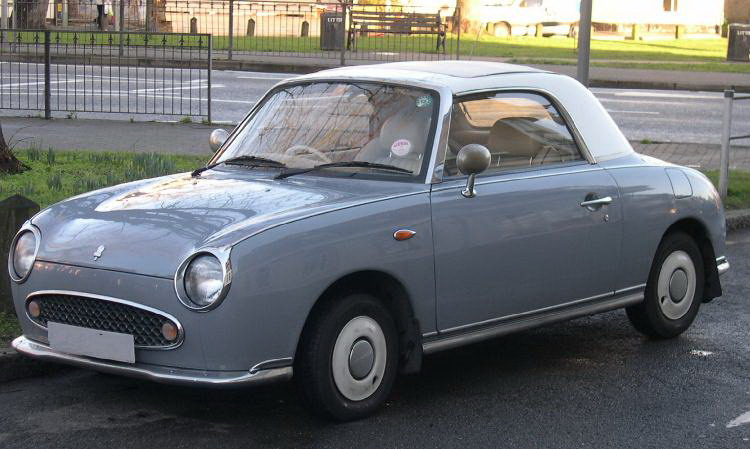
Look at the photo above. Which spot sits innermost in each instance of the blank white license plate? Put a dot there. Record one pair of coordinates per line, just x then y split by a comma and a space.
91, 342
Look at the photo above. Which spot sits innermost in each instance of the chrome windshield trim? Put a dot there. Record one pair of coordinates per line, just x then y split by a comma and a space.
722, 265
180, 330
156, 373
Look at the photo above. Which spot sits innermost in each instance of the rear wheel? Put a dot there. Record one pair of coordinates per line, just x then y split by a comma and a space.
674, 289
348, 358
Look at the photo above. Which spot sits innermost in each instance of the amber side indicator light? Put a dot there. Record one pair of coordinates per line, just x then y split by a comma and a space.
169, 331
403, 234
34, 309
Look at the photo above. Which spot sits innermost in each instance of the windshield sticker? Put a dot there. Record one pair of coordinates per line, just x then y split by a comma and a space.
401, 147
424, 101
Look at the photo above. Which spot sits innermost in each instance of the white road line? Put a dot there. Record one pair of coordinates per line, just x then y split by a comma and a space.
38, 83
740, 420
666, 95
275, 78
642, 102
613, 111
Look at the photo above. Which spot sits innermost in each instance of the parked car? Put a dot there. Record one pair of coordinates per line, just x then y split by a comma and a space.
361, 218
521, 17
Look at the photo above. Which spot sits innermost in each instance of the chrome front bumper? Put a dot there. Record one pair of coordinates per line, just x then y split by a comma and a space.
156, 373
722, 264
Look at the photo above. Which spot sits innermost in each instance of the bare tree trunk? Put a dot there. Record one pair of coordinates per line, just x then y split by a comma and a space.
471, 15
32, 14
8, 161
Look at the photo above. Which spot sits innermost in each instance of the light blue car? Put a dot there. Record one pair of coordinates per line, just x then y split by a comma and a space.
361, 218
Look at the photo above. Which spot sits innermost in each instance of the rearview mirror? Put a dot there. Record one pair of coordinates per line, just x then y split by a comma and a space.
217, 139
472, 160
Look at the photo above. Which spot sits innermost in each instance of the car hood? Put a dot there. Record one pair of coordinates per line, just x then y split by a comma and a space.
149, 227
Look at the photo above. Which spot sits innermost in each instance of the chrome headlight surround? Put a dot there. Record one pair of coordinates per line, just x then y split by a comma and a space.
27, 227
222, 254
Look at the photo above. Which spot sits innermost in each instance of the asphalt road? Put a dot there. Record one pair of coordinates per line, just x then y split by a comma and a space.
592, 382
669, 116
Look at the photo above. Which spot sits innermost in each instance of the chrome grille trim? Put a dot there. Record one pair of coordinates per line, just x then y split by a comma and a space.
91, 296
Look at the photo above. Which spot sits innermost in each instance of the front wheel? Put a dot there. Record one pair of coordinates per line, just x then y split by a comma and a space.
348, 358
674, 290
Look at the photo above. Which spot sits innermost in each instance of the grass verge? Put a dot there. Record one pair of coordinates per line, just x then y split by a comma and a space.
9, 328
738, 196
57, 175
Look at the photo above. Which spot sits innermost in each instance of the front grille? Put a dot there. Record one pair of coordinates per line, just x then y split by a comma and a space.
82, 311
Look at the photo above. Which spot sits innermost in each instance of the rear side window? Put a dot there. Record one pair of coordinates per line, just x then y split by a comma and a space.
521, 130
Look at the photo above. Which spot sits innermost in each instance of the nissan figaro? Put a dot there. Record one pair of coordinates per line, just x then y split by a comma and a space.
361, 218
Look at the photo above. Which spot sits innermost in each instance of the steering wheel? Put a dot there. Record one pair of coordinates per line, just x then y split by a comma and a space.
294, 150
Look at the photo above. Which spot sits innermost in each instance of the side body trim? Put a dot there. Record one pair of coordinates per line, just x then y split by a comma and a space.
464, 335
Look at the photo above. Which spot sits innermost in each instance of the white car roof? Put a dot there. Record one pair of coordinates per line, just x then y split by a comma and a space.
601, 135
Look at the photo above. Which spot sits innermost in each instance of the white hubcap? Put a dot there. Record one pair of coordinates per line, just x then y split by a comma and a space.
676, 286
359, 358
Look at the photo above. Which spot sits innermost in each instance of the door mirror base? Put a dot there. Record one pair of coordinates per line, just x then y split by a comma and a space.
471, 160
217, 139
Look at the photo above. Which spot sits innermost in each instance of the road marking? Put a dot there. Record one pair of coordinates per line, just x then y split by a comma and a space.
740, 420
666, 95
701, 353
642, 102
613, 111
261, 78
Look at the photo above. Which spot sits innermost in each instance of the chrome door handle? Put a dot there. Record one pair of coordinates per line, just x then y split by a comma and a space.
597, 202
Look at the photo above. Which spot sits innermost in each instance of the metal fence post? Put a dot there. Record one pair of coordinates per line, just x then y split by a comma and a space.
726, 135
121, 50
344, 6
231, 28
47, 81
457, 23
584, 42
4, 14
149, 7
210, 67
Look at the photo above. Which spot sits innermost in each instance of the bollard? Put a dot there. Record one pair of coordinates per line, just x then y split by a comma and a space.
250, 27
305, 29
194, 25
14, 212
726, 135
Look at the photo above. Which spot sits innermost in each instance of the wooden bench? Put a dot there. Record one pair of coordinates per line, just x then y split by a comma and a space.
362, 22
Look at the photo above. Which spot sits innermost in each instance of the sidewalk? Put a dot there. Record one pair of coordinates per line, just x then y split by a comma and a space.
111, 135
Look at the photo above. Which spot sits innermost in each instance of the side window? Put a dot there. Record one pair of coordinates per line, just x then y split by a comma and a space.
521, 130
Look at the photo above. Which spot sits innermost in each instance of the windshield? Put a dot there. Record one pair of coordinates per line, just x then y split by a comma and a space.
307, 125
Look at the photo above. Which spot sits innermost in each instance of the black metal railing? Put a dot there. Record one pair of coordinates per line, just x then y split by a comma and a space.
100, 71
245, 29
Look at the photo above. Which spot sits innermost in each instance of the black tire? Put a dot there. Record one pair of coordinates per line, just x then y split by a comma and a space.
315, 359
649, 317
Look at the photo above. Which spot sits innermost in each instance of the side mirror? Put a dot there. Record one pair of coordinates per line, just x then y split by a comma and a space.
472, 160
217, 139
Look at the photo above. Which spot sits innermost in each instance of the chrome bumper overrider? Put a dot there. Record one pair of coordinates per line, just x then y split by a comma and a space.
156, 373
722, 264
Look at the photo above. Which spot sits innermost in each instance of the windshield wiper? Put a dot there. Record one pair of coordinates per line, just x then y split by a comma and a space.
249, 160
358, 164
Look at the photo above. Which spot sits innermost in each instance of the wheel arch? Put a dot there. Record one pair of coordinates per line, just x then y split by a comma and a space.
394, 295
698, 231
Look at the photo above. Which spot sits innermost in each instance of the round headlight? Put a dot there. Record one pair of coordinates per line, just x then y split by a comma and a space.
24, 254
204, 280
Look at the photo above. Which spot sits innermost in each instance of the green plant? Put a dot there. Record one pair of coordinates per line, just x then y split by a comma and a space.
34, 153
50, 156
186, 119
132, 120
206, 121
71, 115
54, 181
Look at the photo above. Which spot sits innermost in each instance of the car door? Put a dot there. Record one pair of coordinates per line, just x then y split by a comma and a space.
525, 242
